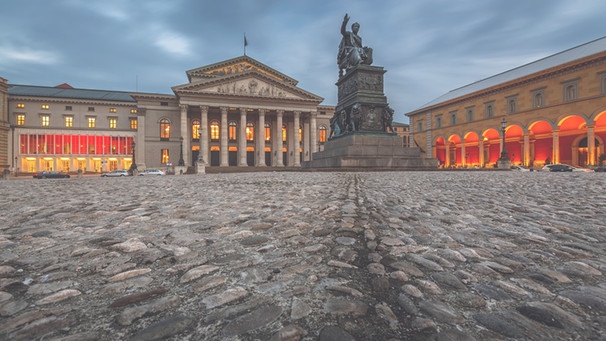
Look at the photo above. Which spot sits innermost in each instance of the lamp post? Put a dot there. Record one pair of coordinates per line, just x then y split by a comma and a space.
504, 155
133, 165
181, 161
503, 162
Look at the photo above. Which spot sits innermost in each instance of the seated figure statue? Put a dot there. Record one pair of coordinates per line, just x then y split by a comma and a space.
351, 51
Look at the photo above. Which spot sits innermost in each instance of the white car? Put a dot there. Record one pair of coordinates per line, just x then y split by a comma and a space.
152, 172
520, 169
118, 172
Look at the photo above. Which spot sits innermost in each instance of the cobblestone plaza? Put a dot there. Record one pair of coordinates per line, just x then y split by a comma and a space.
444, 255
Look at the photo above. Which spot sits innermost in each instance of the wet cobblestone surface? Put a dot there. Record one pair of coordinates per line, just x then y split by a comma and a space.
305, 256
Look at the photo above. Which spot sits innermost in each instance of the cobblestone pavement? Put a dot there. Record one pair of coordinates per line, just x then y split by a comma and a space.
305, 256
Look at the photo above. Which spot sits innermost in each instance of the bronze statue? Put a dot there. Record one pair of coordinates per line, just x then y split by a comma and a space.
351, 51
387, 118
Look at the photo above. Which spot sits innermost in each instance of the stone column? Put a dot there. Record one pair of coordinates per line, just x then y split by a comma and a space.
447, 154
306, 141
590, 146
140, 136
242, 139
279, 156
526, 159
463, 154
314, 133
224, 149
261, 140
555, 157
481, 152
296, 153
204, 133
184, 134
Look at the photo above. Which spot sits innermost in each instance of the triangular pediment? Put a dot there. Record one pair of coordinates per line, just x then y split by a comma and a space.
249, 83
235, 66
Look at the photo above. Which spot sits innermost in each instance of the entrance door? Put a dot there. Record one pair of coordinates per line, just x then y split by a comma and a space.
268, 158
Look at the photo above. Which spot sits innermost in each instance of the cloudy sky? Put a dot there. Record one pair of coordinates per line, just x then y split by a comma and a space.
428, 47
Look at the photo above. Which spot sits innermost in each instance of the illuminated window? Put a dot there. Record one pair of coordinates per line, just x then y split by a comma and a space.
113, 123
195, 130
284, 133
133, 111
112, 110
20, 119
300, 134
322, 137
250, 131
267, 132
45, 120
91, 122
69, 121
164, 156
232, 131
133, 123
164, 129
20, 105
45, 106
214, 130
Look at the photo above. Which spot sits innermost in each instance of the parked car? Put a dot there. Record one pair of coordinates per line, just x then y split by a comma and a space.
520, 169
600, 169
152, 172
119, 172
50, 175
561, 167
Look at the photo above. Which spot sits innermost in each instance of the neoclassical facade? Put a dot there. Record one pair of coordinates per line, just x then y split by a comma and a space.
549, 111
238, 112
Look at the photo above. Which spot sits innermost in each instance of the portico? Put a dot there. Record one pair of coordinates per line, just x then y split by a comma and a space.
242, 113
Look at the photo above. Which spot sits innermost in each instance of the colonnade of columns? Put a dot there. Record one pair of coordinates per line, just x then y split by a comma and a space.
526, 150
308, 139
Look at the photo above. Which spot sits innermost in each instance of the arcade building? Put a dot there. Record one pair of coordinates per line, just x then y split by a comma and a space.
552, 110
235, 113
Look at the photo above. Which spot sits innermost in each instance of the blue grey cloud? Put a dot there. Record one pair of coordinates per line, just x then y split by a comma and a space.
427, 47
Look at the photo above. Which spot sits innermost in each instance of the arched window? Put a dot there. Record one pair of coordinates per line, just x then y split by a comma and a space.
195, 130
267, 132
250, 131
322, 135
232, 130
215, 127
164, 129
284, 133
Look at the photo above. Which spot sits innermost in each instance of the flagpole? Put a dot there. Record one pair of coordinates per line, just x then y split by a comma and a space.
245, 43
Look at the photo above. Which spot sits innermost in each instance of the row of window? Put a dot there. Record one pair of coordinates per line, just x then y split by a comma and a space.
232, 131
538, 100
70, 108
59, 144
91, 121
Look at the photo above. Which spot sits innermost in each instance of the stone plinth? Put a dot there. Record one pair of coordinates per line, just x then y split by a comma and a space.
369, 150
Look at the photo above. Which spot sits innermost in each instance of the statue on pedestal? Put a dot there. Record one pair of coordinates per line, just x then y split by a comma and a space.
351, 51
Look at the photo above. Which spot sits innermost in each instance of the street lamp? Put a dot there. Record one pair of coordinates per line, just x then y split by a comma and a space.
133, 165
504, 156
181, 161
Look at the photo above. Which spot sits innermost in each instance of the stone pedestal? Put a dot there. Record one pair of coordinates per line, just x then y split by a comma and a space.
369, 150
200, 167
360, 139
503, 163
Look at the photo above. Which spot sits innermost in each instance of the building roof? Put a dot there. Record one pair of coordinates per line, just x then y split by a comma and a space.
62, 91
575, 53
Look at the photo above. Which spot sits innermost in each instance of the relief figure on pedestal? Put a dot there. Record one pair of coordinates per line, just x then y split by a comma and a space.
351, 51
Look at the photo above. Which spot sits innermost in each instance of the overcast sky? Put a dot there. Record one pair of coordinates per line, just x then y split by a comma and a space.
428, 47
